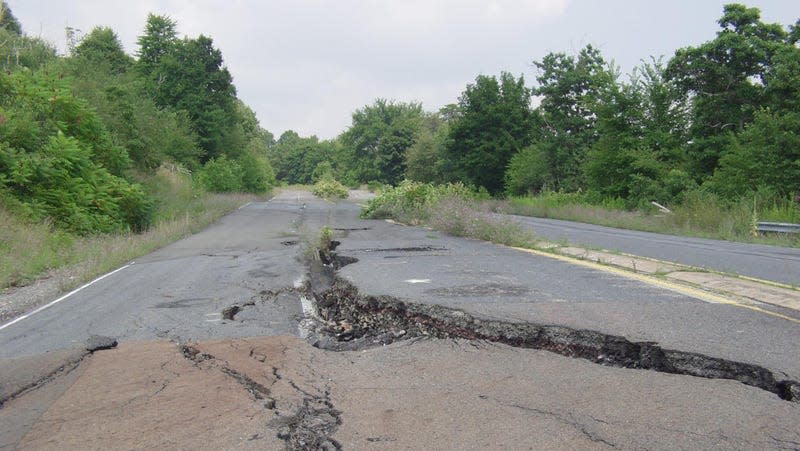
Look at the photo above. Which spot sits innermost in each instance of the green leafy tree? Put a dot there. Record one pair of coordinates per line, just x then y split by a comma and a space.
194, 80
570, 89
493, 122
8, 21
20, 51
728, 79
376, 142
765, 155
102, 47
527, 172
221, 175
426, 159
642, 132
58, 160
295, 158
257, 174
324, 170
159, 39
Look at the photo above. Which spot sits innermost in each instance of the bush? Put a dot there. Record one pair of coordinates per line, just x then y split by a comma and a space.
63, 183
257, 174
411, 201
452, 208
526, 173
221, 175
329, 188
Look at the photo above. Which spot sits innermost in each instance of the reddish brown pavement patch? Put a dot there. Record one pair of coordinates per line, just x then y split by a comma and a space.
148, 396
433, 394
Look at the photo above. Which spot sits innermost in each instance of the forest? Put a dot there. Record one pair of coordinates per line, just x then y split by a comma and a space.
97, 141
719, 118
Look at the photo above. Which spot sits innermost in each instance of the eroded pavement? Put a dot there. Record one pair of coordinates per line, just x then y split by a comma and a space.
406, 339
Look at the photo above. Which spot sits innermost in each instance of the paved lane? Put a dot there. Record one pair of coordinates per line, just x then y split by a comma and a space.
778, 264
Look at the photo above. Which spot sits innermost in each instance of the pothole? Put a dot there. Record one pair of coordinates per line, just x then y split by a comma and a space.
351, 320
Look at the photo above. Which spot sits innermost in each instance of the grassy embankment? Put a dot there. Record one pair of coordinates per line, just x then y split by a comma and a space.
455, 210
31, 250
700, 215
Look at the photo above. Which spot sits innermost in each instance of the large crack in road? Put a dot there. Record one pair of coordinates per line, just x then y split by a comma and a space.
351, 320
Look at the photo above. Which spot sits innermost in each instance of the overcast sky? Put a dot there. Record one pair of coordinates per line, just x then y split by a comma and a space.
306, 65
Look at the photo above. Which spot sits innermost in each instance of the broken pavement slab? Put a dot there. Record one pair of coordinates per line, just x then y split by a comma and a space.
747, 288
750, 289
427, 394
100, 343
631, 262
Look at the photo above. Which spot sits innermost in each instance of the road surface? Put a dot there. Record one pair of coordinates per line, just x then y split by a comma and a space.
778, 264
421, 341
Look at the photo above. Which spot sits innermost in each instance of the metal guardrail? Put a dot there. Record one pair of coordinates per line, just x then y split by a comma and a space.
777, 227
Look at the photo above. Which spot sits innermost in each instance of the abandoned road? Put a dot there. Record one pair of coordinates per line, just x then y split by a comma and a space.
777, 264
239, 337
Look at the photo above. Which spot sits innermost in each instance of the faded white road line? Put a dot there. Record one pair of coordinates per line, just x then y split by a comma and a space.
47, 306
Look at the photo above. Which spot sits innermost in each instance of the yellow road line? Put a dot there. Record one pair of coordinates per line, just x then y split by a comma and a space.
683, 289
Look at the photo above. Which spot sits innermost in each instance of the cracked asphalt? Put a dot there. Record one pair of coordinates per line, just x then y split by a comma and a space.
186, 376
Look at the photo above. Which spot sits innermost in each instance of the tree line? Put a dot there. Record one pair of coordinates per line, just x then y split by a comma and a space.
720, 117
80, 134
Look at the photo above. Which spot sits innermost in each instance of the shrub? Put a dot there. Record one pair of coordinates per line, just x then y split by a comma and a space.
526, 173
410, 201
221, 175
451, 208
329, 188
257, 174
63, 183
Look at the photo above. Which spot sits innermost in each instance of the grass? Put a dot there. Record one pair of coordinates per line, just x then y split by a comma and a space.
701, 215
451, 209
454, 210
30, 250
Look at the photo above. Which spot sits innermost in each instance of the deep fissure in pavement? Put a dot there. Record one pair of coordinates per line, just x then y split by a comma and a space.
352, 320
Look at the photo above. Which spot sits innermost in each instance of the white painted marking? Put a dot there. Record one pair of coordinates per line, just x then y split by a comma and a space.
309, 315
213, 314
215, 320
308, 307
244, 205
44, 307
413, 281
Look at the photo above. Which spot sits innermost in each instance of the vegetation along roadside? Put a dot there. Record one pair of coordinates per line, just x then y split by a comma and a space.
102, 161
101, 146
